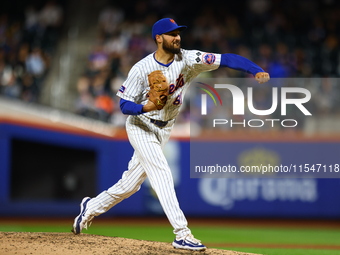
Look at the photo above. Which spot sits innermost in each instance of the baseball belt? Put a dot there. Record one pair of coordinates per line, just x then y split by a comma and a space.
159, 123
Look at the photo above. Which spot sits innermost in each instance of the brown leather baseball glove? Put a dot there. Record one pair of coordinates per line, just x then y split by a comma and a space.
159, 89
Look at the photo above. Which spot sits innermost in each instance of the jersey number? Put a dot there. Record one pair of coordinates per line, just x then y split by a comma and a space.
178, 100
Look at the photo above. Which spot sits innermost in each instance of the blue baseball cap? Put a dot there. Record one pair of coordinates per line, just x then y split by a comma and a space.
165, 25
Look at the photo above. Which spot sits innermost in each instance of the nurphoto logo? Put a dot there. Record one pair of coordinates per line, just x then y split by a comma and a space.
300, 97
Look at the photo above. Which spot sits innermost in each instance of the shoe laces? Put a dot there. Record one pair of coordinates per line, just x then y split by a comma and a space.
88, 222
191, 238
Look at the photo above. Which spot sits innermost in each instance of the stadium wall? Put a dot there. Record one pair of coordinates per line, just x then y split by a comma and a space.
46, 172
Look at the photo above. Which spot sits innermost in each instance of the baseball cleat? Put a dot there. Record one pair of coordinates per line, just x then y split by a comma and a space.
188, 242
82, 220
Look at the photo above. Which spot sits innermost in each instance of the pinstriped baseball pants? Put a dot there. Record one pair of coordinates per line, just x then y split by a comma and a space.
149, 161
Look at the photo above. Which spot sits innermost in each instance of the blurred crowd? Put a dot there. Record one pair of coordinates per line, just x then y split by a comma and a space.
286, 38
28, 37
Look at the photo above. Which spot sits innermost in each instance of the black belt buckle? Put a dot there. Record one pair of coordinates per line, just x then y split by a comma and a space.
159, 123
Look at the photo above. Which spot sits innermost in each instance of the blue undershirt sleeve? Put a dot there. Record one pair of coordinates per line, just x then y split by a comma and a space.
240, 63
130, 108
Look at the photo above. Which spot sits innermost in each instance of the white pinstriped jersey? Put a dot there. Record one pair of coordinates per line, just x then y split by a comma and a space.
179, 74
148, 139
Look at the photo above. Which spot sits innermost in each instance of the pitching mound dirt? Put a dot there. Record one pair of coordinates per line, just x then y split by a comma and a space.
20, 243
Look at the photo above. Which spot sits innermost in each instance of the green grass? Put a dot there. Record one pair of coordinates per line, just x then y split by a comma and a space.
270, 235
273, 251
34, 228
210, 235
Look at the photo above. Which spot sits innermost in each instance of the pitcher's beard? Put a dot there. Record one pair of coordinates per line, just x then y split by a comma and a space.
170, 48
